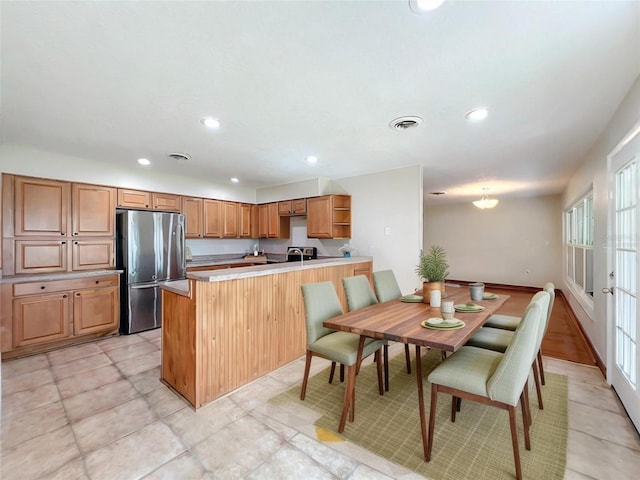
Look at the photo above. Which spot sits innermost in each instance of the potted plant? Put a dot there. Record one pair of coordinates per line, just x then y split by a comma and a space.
432, 269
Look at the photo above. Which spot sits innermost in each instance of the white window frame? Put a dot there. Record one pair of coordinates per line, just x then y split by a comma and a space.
578, 224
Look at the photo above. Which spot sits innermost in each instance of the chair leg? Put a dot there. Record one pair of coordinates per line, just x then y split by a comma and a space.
307, 367
381, 384
525, 391
407, 357
541, 367
341, 373
536, 378
432, 419
348, 397
386, 368
525, 422
514, 441
454, 408
333, 370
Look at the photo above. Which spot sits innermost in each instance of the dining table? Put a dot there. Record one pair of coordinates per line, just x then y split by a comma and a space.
402, 320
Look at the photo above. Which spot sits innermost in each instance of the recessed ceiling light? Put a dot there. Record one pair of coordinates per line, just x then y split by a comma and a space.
477, 114
144, 161
421, 6
311, 159
210, 122
234, 179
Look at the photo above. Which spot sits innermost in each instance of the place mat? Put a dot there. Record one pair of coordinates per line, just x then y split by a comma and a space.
463, 307
412, 299
489, 296
476, 446
443, 324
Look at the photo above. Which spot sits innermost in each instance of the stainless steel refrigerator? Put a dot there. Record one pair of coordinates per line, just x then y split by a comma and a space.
150, 250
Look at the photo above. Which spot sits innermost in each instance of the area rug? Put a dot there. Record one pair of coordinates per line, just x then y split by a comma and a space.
477, 446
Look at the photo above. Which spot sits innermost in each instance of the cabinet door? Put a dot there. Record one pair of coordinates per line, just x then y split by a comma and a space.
134, 199
284, 207
212, 218
263, 221
40, 318
93, 210
192, 211
95, 310
92, 254
244, 220
273, 221
255, 221
166, 202
299, 206
230, 223
41, 207
41, 256
319, 217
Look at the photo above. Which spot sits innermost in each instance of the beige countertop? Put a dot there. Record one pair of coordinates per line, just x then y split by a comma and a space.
270, 269
181, 287
45, 277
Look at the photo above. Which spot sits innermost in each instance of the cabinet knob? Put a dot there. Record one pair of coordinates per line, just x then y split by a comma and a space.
42, 287
77, 294
75, 233
97, 281
62, 233
75, 243
63, 243
64, 296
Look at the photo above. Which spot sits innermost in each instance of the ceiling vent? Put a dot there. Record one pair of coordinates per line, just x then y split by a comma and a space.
179, 156
404, 123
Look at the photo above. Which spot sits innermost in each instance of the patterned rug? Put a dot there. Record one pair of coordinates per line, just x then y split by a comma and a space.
477, 446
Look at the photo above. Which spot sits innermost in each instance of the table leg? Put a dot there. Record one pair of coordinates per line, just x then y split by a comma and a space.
349, 395
423, 426
360, 349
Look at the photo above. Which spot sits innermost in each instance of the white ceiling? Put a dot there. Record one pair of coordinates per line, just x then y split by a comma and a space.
116, 81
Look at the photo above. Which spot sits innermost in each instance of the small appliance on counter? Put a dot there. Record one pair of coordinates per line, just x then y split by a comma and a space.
308, 253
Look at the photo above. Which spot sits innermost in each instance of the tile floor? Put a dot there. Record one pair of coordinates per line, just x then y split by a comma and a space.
98, 411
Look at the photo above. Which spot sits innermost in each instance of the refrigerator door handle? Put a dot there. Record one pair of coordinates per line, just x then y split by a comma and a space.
138, 287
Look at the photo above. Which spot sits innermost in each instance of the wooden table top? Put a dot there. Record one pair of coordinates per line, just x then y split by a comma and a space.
401, 321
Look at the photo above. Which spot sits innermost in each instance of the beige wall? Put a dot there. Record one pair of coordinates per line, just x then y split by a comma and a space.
593, 171
516, 243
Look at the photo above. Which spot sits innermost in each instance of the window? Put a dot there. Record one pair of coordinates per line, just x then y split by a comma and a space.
579, 246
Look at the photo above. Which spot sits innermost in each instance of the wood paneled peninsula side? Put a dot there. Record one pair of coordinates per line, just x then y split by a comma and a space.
222, 329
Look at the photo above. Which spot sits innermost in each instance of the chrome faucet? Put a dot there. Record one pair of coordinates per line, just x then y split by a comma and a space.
301, 255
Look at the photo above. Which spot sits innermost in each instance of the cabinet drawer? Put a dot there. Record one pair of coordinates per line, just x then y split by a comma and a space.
31, 288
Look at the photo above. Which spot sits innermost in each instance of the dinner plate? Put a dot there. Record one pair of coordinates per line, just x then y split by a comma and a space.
443, 325
411, 298
489, 296
463, 307
434, 321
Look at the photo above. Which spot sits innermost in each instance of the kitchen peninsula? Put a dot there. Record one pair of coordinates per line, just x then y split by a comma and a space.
225, 328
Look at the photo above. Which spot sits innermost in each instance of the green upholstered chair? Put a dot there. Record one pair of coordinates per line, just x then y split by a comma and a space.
386, 287
498, 340
491, 378
321, 303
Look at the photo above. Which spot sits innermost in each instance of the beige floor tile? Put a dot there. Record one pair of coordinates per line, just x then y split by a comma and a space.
26, 381
130, 351
20, 428
20, 366
39, 456
73, 470
289, 374
106, 427
195, 426
73, 367
280, 428
90, 380
184, 467
157, 343
27, 400
164, 402
288, 462
602, 397
338, 464
572, 475
147, 381
152, 334
364, 472
119, 341
258, 392
140, 364
600, 459
99, 400
69, 354
605, 425
238, 449
135, 455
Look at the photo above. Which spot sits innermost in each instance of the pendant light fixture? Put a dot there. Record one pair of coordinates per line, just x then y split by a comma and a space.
485, 201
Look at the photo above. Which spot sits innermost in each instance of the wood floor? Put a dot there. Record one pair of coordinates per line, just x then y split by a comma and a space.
564, 339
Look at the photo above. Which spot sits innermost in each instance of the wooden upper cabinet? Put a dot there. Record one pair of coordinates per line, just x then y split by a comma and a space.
166, 202
277, 225
230, 219
255, 218
263, 220
41, 256
93, 210
41, 207
213, 218
244, 220
329, 216
192, 211
92, 254
299, 206
284, 207
134, 198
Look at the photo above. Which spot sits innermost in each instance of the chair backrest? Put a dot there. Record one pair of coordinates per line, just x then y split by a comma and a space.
551, 290
321, 303
507, 382
386, 285
359, 293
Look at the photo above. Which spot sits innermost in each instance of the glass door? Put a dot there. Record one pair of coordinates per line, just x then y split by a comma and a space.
625, 319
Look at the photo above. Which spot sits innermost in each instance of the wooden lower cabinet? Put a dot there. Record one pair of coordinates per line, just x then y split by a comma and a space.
39, 316
229, 333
